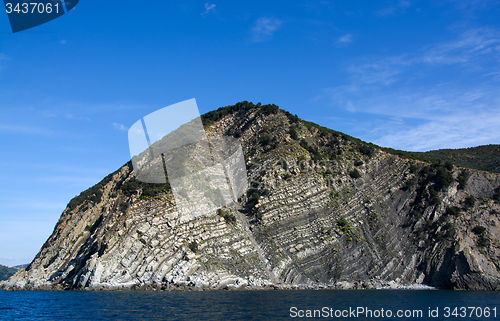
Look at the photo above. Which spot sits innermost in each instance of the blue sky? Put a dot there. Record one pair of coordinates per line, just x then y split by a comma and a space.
412, 75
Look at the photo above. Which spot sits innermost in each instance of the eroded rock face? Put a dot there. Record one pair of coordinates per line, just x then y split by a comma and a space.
306, 221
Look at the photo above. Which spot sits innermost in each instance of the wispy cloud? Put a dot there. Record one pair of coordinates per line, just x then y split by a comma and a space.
119, 127
5, 258
476, 50
399, 7
457, 130
264, 28
71, 116
473, 45
473, 5
3, 58
345, 39
25, 130
208, 8
382, 71
445, 95
62, 42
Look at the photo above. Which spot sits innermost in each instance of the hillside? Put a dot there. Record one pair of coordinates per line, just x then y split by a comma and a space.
485, 158
321, 209
6, 272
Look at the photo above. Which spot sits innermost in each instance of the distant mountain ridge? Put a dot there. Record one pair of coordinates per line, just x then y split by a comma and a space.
485, 157
322, 209
6, 272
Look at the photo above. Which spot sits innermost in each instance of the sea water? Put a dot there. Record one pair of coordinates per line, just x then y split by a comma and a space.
251, 305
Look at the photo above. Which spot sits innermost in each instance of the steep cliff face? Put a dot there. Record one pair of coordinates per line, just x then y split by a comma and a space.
322, 210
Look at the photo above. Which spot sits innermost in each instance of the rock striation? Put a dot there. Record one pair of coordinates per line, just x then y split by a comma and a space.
321, 210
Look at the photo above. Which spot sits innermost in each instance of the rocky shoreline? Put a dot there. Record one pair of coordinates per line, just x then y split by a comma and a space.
5, 286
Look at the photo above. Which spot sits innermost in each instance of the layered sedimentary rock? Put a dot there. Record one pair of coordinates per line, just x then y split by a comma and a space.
321, 210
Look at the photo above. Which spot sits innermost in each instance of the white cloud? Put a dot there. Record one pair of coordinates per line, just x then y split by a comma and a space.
472, 5
400, 6
473, 45
3, 57
5, 258
475, 50
264, 28
71, 116
14, 129
344, 39
443, 96
457, 130
120, 127
208, 8
378, 71
424, 120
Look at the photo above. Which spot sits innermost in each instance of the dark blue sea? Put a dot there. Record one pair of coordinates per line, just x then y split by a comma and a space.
251, 305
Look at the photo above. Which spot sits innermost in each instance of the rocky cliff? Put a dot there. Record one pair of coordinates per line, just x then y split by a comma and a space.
321, 209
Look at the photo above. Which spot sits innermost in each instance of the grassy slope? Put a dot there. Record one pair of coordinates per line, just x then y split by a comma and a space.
6, 272
486, 158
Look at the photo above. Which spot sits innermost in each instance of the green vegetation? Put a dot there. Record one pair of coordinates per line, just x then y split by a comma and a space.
410, 155
265, 140
496, 196
293, 133
92, 195
482, 240
132, 186
355, 173
255, 197
448, 165
283, 164
6, 272
453, 210
462, 179
227, 215
215, 115
479, 230
123, 206
344, 225
486, 158
367, 150
410, 183
444, 177
316, 155
193, 246
326, 144
470, 201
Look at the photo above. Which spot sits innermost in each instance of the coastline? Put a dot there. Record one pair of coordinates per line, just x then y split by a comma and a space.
391, 285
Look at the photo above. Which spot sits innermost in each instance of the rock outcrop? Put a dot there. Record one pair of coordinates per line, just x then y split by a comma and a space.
322, 210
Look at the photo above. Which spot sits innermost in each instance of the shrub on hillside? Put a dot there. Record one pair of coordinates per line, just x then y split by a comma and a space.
355, 174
